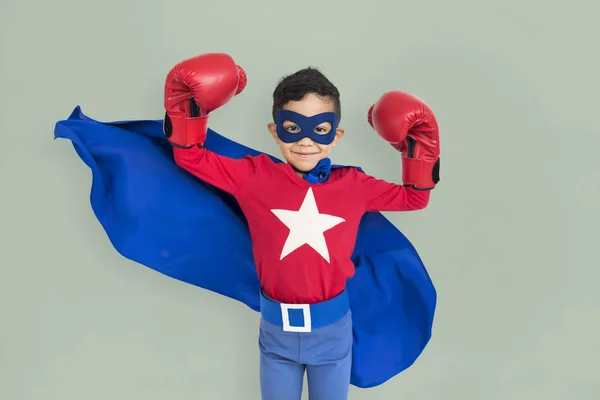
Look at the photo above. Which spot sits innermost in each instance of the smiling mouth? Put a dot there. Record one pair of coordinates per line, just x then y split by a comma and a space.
304, 154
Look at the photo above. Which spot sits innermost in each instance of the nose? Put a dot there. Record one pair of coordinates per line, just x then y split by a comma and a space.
306, 142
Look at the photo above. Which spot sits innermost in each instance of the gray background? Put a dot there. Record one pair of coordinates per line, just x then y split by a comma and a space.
509, 238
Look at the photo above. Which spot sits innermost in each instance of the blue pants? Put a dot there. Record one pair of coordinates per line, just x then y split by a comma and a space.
325, 354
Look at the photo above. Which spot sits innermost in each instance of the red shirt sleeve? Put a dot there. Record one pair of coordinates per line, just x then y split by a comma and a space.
385, 196
225, 173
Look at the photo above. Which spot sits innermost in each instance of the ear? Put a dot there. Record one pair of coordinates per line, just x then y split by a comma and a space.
339, 132
273, 129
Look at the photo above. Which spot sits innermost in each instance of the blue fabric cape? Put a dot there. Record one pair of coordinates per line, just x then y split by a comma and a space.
160, 216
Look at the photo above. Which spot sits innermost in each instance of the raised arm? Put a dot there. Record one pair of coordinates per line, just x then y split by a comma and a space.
194, 88
380, 195
409, 125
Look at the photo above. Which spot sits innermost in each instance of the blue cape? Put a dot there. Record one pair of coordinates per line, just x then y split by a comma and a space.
160, 216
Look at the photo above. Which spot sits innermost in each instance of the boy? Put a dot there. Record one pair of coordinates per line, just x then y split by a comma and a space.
303, 215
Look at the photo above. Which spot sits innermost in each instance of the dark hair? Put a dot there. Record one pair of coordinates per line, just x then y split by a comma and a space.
296, 86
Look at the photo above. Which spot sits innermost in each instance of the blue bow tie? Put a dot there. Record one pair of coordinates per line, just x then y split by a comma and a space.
320, 173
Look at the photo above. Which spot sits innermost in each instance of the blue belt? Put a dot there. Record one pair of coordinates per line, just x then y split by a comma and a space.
304, 317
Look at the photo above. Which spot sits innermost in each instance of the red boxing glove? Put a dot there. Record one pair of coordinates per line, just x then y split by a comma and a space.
409, 125
195, 87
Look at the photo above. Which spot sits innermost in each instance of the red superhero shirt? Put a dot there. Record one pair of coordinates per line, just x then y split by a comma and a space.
303, 234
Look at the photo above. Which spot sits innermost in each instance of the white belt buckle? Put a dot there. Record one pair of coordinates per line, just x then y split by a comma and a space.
285, 317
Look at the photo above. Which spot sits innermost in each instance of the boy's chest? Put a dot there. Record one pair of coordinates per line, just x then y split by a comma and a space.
279, 204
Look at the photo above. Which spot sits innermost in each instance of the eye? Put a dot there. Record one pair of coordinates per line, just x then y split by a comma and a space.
291, 127
322, 129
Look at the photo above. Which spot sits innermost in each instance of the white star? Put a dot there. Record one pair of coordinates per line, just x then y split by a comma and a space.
307, 226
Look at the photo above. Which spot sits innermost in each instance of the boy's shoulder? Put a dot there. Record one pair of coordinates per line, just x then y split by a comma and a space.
261, 159
264, 162
347, 168
339, 171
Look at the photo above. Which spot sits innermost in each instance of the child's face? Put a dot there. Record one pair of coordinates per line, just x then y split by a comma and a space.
306, 153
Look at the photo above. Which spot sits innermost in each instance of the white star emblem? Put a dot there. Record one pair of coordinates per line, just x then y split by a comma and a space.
307, 226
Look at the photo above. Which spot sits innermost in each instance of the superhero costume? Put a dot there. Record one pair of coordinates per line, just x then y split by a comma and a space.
391, 295
154, 212
303, 234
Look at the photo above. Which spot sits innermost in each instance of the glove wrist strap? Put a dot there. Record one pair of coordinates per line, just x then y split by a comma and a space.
185, 132
420, 174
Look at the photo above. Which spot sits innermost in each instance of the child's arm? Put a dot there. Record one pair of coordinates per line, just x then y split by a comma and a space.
380, 195
409, 125
222, 172
193, 88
